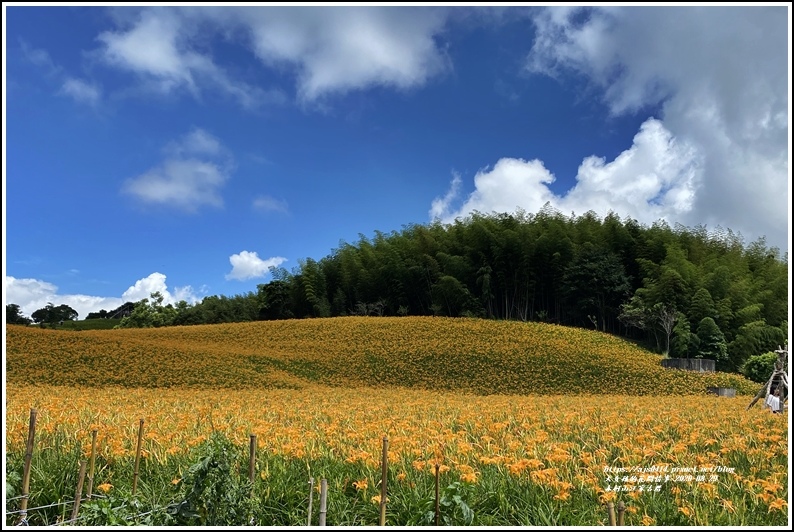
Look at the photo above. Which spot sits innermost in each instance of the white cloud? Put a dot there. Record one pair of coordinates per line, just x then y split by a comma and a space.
196, 168
720, 75
331, 49
155, 282
247, 265
81, 91
162, 47
33, 294
270, 204
657, 177
338, 49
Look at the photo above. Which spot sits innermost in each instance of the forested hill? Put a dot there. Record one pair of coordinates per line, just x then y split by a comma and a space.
688, 291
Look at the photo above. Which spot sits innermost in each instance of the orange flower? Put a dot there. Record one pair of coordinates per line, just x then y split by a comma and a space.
777, 504
361, 484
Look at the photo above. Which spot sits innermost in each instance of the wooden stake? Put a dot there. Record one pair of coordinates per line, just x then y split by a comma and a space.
323, 499
26, 472
437, 500
611, 509
252, 459
383, 477
78, 494
137, 457
91, 467
621, 510
311, 495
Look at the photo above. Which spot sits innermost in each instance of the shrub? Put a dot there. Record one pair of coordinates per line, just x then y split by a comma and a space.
759, 367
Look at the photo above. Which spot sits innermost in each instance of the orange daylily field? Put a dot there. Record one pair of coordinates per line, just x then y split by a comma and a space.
528, 423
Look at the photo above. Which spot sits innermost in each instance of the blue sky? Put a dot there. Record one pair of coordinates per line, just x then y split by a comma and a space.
185, 150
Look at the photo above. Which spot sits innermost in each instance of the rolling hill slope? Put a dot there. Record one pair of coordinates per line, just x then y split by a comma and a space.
466, 355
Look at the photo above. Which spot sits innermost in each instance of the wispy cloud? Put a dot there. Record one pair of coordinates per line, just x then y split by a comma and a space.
339, 49
247, 265
332, 50
160, 47
270, 204
40, 58
191, 176
82, 91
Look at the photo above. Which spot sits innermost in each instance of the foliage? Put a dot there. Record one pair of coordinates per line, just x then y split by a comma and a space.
53, 315
150, 313
712, 342
14, 315
453, 509
624, 278
760, 367
214, 493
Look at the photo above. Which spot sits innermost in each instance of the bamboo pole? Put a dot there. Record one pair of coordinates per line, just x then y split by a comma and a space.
611, 510
252, 459
78, 494
137, 457
311, 495
92, 465
437, 500
383, 477
621, 510
323, 500
23, 505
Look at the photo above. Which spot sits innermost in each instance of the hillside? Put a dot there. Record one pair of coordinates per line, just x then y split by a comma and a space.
466, 355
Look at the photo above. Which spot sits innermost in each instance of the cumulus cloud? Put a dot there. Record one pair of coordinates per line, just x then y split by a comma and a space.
247, 265
155, 282
657, 177
33, 294
270, 204
720, 75
191, 176
82, 91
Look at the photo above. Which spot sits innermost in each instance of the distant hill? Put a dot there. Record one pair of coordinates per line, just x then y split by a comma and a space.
462, 354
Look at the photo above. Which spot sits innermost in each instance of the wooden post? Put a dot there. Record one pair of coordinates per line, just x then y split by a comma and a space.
26, 472
252, 459
383, 477
311, 495
93, 463
611, 510
621, 510
78, 494
323, 500
437, 500
137, 457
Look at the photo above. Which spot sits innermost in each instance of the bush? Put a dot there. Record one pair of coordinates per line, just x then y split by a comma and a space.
759, 367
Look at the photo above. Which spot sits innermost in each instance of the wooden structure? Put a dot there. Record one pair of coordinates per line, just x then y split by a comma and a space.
777, 382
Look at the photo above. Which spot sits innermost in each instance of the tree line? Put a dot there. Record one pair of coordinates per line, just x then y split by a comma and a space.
686, 292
